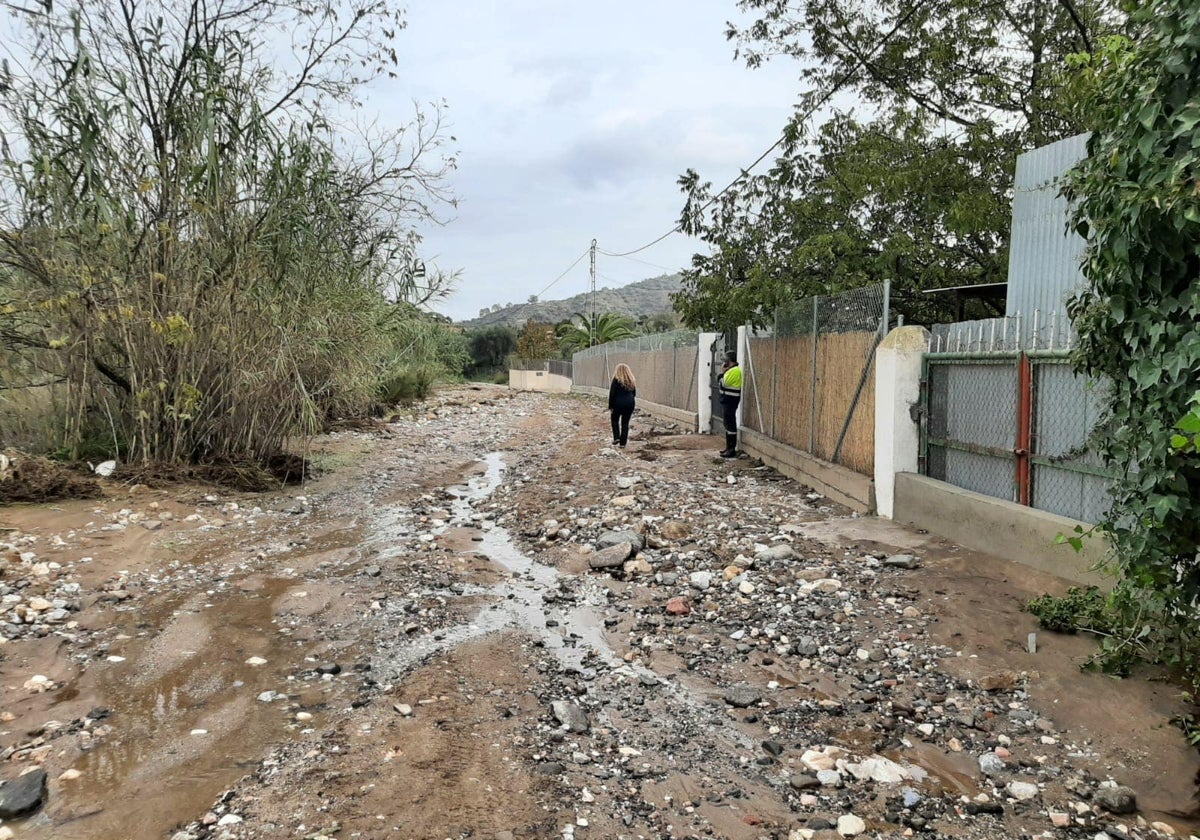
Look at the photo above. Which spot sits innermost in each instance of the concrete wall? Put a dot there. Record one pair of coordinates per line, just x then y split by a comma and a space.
539, 380
840, 484
687, 419
994, 526
897, 391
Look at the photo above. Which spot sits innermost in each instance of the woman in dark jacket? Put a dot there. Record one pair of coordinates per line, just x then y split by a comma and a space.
621, 395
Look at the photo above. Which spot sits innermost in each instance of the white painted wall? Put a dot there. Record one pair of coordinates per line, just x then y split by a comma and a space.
538, 380
897, 390
704, 406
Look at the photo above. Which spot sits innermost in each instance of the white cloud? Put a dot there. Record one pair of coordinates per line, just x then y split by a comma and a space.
574, 120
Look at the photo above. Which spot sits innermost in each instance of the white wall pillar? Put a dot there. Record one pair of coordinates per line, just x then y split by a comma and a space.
743, 348
704, 406
897, 389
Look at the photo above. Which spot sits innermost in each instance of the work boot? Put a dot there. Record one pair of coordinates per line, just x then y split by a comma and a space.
730, 450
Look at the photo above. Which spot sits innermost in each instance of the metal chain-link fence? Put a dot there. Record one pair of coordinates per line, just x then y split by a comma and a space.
665, 366
1015, 426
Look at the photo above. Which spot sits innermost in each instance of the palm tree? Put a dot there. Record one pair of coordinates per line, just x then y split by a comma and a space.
588, 332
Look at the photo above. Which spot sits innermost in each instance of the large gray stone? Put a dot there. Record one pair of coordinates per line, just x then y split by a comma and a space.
903, 561
570, 715
777, 553
1116, 800
613, 557
22, 795
742, 696
611, 538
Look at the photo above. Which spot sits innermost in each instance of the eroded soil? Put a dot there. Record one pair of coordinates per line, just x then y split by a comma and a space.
415, 646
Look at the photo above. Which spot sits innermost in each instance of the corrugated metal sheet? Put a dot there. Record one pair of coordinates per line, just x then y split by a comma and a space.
1044, 258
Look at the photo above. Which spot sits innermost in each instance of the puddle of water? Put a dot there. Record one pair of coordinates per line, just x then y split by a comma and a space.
152, 773
516, 602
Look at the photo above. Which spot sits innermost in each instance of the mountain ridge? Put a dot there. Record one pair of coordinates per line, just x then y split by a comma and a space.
636, 300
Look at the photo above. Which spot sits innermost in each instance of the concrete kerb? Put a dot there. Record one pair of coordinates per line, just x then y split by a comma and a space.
1003, 529
840, 484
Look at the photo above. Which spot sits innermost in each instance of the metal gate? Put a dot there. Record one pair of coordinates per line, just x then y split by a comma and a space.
1015, 426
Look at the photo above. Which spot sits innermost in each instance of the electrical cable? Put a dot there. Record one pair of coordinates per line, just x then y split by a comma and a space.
550, 285
829, 94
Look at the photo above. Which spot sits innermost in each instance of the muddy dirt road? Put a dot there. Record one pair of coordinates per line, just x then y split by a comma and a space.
484, 622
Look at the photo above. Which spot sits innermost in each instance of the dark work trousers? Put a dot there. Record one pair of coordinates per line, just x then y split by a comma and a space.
729, 409
620, 424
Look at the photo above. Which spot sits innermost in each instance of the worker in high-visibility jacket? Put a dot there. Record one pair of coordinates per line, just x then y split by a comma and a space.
731, 397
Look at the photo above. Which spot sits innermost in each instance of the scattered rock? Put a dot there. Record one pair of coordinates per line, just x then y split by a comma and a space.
1023, 791
742, 696
902, 561
999, 681
570, 715
848, 825
991, 764
22, 795
613, 538
1116, 800
679, 605
611, 557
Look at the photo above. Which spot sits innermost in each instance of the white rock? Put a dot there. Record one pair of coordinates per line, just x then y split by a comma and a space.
255, 661
829, 778
39, 683
849, 825
1022, 790
229, 819
879, 769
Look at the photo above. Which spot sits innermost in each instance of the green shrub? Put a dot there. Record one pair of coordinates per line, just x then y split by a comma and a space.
407, 385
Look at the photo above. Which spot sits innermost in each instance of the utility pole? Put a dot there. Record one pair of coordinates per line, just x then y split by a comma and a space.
592, 327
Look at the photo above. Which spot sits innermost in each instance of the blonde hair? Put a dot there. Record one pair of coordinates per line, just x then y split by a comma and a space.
625, 376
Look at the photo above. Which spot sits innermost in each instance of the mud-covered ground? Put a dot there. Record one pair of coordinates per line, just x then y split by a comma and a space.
485, 622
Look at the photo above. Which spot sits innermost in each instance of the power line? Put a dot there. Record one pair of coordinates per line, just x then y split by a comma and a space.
829, 94
551, 284
636, 260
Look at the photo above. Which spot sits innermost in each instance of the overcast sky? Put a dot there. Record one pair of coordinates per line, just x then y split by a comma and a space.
574, 121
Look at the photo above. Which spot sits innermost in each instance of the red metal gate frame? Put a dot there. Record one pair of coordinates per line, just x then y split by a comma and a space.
1024, 443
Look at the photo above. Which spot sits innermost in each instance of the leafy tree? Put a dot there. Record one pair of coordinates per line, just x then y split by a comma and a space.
916, 188
583, 331
537, 341
659, 323
1137, 202
185, 241
490, 348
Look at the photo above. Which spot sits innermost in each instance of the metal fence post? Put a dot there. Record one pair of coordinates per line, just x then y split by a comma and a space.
812, 405
774, 372
1024, 427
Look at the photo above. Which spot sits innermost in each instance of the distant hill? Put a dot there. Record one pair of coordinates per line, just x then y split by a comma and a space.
637, 300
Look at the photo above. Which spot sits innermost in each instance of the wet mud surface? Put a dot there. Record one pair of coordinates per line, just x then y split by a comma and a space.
417, 646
